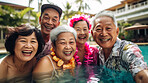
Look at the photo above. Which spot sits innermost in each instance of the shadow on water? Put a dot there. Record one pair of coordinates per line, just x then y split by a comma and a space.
94, 74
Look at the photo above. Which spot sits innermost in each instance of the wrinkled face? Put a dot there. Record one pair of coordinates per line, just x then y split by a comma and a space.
26, 47
49, 20
65, 46
82, 32
105, 32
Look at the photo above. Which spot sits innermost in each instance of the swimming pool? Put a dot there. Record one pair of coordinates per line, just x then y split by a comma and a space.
90, 74
95, 74
144, 49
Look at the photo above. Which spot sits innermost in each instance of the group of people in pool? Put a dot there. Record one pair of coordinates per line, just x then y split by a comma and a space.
34, 52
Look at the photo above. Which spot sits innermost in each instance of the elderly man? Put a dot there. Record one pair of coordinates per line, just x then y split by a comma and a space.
49, 19
114, 53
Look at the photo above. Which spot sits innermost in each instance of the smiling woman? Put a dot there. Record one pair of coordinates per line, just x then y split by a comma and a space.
23, 43
63, 40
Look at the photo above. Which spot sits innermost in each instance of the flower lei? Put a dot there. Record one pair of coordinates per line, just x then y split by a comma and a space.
79, 17
88, 57
60, 62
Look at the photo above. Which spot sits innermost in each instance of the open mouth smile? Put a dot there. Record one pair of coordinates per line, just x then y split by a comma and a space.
27, 53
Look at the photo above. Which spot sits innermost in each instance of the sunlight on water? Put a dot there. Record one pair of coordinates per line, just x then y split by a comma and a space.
94, 74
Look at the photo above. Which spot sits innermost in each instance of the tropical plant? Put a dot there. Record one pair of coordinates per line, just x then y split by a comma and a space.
11, 17
82, 5
128, 34
68, 13
36, 15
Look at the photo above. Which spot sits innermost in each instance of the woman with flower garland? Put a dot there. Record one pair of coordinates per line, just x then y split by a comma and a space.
63, 40
84, 54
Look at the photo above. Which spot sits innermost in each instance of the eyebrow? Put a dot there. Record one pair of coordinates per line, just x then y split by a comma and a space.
64, 39
26, 38
48, 14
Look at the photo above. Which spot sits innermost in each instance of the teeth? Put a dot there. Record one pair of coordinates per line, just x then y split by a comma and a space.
104, 39
82, 37
28, 52
67, 52
48, 27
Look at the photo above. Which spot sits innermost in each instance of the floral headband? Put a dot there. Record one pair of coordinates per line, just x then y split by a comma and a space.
79, 17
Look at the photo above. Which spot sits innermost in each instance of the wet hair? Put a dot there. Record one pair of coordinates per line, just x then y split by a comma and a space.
104, 13
23, 30
61, 29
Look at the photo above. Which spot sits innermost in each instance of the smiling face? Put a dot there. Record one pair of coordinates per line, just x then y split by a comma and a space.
105, 32
82, 32
65, 46
26, 47
49, 20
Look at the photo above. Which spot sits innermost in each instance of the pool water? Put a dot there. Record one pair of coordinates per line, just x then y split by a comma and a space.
94, 74
144, 49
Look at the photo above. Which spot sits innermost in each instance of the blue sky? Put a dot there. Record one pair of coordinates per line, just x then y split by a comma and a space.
94, 5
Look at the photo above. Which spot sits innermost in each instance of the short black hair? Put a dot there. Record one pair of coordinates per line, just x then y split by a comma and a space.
57, 8
23, 30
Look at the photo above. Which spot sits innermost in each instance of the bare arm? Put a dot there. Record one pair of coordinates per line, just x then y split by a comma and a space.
3, 71
44, 65
142, 77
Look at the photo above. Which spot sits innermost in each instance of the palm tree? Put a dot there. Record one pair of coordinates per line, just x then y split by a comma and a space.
29, 11
83, 5
67, 12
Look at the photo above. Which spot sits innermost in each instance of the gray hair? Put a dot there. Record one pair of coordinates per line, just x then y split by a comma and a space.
105, 13
60, 29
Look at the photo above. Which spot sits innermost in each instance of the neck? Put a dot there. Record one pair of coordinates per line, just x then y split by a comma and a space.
81, 47
18, 63
107, 53
45, 37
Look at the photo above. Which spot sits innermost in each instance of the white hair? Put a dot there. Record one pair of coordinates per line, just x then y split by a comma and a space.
104, 13
60, 29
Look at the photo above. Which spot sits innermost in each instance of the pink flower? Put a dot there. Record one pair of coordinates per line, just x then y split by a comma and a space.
79, 17
88, 57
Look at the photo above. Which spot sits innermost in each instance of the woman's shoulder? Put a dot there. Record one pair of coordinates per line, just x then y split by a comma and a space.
6, 60
43, 65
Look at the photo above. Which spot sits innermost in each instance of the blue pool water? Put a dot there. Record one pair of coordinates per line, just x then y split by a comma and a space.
92, 74
144, 49
95, 74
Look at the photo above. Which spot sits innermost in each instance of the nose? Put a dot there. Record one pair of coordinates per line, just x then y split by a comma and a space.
67, 46
50, 21
28, 45
82, 32
104, 33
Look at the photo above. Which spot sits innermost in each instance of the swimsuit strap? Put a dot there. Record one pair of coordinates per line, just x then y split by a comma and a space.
54, 71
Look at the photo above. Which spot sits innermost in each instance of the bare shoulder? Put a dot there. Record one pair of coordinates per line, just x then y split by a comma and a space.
4, 61
43, 65
4, 66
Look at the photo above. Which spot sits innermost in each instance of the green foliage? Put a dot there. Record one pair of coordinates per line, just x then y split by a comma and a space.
68, 13
23, 12
11, 17
36, 16
127, 34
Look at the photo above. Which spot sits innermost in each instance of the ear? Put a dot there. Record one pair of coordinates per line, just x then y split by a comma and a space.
40, 19
91, 32
53, 46
117, 31
59, 23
